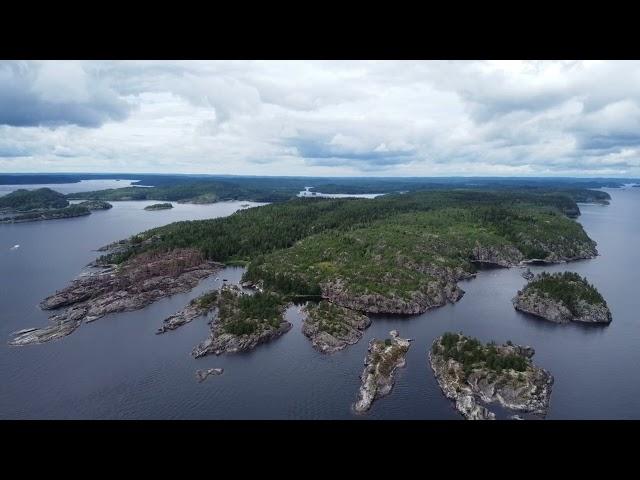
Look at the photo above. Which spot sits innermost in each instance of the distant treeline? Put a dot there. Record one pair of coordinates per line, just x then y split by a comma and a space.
279, 189
257, 231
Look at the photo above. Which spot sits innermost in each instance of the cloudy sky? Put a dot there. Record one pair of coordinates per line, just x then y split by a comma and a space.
321, 118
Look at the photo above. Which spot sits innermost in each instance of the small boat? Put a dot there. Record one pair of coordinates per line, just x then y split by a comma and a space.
15, 247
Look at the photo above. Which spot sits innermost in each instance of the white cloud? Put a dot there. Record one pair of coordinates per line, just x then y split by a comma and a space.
322, 117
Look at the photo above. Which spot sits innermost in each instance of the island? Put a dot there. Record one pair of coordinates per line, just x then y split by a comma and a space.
474, 375
159, 206
202, 375
243, 321
383, 358
43, 204
27, 200
52, 214
563, 297
331, 327
23, 205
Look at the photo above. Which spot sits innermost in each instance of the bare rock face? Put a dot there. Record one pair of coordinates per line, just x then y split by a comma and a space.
502, 256
541, 306
332, 327
198, 307
220, 342
534, 300
382, 361
489, 373
133, 285
435, 294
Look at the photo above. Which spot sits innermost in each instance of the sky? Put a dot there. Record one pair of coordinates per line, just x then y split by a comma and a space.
322, 118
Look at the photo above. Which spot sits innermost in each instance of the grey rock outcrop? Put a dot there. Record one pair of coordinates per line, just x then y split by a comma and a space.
475, 388
202, 375
382, 360
134, 285
332, 327
222, 340
535, 300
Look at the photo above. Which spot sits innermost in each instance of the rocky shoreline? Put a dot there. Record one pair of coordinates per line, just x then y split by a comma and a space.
332, 327
436, 294
224, 338
555, 311
133, 285
474, 375
197, 307
378, 378
534, 300
443, 288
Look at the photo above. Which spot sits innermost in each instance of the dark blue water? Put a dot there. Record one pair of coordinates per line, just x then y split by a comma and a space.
117, 368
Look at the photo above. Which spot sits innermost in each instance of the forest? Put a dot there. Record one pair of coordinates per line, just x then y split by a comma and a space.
40, 199
566, 287
393, 245
471, 353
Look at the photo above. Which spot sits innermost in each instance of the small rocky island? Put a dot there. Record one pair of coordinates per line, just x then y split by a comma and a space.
562, 298
384, 357
475, 375
243, 321
159, 206
331, 327
202, 375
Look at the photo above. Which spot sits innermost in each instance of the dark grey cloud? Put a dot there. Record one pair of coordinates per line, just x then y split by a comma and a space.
26, 101
323, 117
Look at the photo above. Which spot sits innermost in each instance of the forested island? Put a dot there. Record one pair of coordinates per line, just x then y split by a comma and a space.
561, 298
34, 205
396, 254
43, 204
243, 321
474, 375
26, 200
159, 206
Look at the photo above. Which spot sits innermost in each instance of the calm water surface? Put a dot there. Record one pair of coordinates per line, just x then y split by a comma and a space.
117, 367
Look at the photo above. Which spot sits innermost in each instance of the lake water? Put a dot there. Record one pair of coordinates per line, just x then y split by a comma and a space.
118, 368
